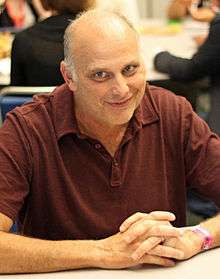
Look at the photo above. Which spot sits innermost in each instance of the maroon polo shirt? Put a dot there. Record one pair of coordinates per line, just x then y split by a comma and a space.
60, 184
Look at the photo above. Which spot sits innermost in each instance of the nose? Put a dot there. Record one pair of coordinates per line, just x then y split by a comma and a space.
120, 86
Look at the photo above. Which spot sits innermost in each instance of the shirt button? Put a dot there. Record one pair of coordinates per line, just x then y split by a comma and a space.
97, 146
115, 163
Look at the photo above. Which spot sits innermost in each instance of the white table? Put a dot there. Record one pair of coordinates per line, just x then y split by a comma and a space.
5, 71
202, 266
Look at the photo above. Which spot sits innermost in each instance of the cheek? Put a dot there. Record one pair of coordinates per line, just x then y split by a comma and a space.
99, 92
139, 83
95, 95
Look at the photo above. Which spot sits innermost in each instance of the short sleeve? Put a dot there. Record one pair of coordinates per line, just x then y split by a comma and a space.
15, 165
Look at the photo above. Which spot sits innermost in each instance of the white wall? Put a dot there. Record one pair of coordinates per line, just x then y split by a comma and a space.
159, 7
153, 8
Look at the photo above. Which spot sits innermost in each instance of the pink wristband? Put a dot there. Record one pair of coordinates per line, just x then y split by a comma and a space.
207, 238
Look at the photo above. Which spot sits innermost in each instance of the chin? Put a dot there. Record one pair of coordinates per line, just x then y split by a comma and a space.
121, 120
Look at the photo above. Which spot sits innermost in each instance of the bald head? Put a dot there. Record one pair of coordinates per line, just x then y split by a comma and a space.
89, 29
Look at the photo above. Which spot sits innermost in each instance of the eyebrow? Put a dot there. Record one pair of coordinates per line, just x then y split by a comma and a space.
95, 69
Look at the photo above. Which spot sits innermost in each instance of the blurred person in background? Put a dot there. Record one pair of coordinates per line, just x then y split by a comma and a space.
199, 10
204, 63
38, 50
17, 13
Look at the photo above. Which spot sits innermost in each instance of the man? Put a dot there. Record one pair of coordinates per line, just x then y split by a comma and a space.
78, 164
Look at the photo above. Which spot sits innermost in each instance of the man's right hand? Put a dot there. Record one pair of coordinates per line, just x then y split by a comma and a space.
117, 251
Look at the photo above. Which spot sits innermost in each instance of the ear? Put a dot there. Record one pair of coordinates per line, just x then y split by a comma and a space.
67, 76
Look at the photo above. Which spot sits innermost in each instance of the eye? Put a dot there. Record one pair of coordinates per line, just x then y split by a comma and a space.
100, 76
130, 70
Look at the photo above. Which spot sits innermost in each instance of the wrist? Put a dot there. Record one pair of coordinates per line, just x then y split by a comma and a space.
205, 236
102, 254
96, 254
84, 254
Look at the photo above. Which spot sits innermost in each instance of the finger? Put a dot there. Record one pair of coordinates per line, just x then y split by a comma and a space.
150, 259
144, 226
165, 231
154, 215
131, 220
163, 215
146, 246
138, 229
167, 252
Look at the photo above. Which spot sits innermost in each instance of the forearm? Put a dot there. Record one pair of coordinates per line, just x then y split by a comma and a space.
178, 68
25, 255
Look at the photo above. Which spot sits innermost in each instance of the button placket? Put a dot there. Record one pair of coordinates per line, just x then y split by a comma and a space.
115, 174
97, 146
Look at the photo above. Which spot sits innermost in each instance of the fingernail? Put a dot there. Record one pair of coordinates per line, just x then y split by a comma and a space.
173, 215
121, 229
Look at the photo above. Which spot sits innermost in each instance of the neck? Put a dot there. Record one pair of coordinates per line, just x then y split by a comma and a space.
109, 135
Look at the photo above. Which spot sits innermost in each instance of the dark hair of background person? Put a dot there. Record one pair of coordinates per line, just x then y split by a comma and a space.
66, 6
37, 51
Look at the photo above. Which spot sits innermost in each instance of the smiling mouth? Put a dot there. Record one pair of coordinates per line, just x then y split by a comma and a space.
120, 104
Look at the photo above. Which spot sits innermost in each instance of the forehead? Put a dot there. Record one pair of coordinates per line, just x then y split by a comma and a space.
107, 50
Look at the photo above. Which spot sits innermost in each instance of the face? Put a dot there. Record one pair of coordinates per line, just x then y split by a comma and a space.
110, 79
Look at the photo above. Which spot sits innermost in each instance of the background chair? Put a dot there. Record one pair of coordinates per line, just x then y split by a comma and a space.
199, 208
13, 96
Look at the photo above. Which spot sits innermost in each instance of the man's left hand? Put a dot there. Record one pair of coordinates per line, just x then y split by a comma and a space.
190, 243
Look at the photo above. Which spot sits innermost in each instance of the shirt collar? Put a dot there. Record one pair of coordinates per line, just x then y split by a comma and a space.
64, 113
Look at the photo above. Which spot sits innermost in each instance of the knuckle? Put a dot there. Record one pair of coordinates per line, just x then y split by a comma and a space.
156, 230
152, 242
147, 223
138, 214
